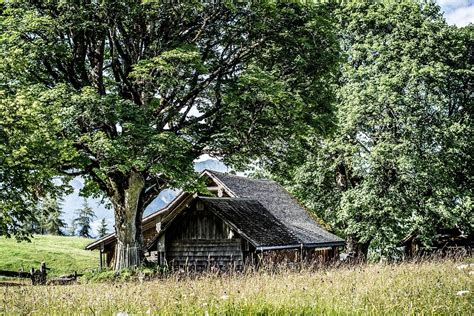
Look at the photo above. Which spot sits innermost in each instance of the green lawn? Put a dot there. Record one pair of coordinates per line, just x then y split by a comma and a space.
63, 255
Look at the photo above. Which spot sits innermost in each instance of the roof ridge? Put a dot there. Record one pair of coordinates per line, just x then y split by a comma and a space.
226, 198
237, 176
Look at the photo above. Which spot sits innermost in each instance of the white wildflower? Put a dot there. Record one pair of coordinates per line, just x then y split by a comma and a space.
466, 266
461, 293
224, 297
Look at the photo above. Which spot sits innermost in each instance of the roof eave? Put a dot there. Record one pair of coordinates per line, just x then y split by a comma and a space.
325, 244
104, 240
279, 247
301, 246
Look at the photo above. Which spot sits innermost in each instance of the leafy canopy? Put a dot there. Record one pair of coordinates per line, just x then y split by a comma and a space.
103, 89
400, 160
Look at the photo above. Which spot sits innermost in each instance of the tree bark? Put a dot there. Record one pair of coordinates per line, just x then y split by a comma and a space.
357, 249
128, 217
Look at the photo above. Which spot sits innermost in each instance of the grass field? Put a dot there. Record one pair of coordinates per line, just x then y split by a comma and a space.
63, 255
437, 287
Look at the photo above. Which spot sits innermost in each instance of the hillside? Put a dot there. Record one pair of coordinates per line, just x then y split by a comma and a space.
62, 254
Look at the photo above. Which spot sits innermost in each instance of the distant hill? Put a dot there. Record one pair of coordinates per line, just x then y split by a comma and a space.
62, 254
166, 196
163, 199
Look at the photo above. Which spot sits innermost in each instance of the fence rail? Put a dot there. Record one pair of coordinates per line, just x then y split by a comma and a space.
38, 277
15, 274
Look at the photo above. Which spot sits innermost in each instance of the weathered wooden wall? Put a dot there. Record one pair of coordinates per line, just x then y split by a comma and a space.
200, 239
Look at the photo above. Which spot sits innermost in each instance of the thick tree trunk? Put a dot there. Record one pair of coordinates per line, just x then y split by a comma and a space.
356, 249
128, 217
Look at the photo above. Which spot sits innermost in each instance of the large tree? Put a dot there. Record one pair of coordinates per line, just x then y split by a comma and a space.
127, 94
400, 160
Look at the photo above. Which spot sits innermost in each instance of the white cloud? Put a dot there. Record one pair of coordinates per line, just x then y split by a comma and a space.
453, 3
461, 16
458, 12
203, 158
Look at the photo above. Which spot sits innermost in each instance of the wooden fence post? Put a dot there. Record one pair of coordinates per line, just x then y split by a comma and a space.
32, 276
101, 251
42, 274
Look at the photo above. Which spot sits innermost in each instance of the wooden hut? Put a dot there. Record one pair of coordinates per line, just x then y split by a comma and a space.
244, 219
445, 241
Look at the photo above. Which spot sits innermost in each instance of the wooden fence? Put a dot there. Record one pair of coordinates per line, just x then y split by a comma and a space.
39, 277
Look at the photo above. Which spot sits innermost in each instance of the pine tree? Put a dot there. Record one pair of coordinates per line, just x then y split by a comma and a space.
48, 217
103, 229
85, 215
72, 228
55, 223
37, 222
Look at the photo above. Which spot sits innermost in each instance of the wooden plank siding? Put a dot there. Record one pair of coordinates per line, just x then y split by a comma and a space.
202, 240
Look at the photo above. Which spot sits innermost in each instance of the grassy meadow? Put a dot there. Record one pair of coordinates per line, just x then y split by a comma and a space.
426, 288
63, 255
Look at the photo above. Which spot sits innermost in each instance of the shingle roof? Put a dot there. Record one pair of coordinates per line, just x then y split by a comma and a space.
273, 198
282, 205
252, 221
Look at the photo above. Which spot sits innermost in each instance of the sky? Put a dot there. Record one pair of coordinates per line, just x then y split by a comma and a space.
456, 12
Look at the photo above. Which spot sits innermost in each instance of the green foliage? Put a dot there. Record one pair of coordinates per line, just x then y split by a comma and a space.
98, 276
72, 228
111, 91
27, 128
401, 159
50, 217
125, 275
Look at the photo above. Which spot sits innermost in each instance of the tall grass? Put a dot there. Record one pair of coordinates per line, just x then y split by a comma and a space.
408, 288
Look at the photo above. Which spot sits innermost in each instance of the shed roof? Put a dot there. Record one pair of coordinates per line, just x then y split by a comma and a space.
270, 195
253, 221
281, 204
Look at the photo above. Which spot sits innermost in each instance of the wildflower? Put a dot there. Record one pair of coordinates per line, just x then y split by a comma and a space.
461, 293
224, 297
465, 266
